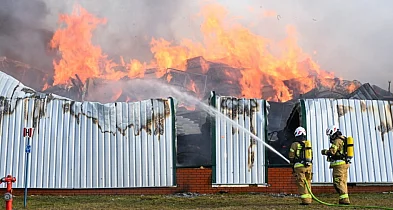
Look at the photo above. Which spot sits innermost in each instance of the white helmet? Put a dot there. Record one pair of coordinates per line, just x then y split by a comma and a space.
332, 130
300, 131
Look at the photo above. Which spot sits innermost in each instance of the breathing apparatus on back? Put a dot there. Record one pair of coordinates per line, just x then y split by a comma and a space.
305, 156
334, 133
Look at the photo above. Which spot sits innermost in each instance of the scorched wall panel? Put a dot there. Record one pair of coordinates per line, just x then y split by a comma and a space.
88, 145
369, 122
237, 158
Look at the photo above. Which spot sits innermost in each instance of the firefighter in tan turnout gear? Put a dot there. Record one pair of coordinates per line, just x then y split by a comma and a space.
339, 155
300, 155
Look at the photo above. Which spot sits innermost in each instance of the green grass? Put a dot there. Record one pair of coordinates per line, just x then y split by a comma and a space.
216, 201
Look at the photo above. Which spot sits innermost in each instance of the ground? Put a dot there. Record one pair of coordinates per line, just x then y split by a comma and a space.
195, 201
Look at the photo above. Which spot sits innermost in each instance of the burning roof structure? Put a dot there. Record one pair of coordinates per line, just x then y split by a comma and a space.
193, 129
231, 60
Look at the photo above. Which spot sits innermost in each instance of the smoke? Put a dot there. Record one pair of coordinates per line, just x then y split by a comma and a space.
22, 36
131, 24
156, 89
351, 38
26, 27
137, 90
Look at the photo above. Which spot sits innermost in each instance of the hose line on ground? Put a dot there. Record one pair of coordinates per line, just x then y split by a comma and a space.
340, 205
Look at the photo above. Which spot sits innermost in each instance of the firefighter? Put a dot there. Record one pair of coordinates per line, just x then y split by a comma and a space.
336, 156
300, 156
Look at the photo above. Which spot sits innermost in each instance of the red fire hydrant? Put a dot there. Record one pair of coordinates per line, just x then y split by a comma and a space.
8, 195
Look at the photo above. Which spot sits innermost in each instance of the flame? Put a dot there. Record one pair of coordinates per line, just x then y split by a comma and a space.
137, 69
79, 55
352, 87
192, 86
263, 62
116, 95
205, 66
169, 78
168, 56
238, 47
188, 107
46, 86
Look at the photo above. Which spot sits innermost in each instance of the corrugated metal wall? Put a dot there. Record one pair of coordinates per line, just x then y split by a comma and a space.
89, 145
10, 87
237, 158
369, 122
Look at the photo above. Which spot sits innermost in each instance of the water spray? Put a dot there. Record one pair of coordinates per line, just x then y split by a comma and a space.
149, 88
212, 111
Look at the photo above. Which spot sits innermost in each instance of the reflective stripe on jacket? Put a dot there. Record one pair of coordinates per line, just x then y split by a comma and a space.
337, 150
295, 154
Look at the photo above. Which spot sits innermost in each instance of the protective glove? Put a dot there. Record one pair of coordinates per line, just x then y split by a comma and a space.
324, 152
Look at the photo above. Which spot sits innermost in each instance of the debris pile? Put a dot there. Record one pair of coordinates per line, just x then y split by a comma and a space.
198, 79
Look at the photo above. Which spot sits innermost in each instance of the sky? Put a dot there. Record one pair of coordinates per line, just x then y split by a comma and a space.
352, 38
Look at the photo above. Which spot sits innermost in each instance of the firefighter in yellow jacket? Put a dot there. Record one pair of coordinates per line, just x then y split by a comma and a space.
301, 163
338, 162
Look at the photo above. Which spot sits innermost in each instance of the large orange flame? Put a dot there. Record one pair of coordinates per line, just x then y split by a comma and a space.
237, 46
79, 55
224, 40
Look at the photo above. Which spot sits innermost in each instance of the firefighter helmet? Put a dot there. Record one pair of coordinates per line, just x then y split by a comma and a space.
300, 131
332, 130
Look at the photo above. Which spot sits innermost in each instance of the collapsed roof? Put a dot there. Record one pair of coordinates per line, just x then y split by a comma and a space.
199, 78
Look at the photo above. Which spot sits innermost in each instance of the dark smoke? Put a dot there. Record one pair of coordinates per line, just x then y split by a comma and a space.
27, 26
22, 35
131, 24
351, 38
155, 22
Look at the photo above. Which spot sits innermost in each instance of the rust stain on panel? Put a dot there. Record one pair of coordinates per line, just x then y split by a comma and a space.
363, 106
39, 107
386, 125
243, 109
342, 110
157, 119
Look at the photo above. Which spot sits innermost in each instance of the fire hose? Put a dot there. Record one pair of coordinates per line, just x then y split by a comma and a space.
341, 205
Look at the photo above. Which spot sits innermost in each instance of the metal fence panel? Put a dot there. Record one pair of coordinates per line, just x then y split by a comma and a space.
239, 159
89, 145
369, 122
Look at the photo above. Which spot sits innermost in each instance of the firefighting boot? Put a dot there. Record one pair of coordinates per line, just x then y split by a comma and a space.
344, 201
306, 201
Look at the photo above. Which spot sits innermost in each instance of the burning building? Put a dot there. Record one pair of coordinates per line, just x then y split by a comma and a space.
193, 126
231, 61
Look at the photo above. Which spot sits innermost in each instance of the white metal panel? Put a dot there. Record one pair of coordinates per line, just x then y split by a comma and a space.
239, 159
12, 88
89, 145
369, 122
7, 85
